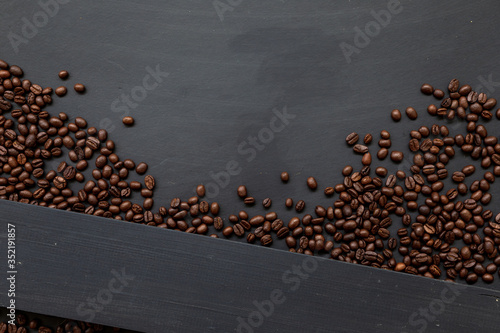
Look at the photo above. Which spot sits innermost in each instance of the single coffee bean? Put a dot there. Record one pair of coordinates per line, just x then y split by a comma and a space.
242, 191
63, 74
129, 121
311, 183
368, 139
396, 115
79, 88
149, 181
427, 89
61, 91
411, 113
453, 85
352, 138
285, 176
267, 202
141, 168
200, 191
397, 156
300, 205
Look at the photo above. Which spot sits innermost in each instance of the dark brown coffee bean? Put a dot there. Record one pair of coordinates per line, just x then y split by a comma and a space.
453, 85
267, 202
285, 176
63, 75
289, 202
149, 181
352, 138
61, 91
242, 191
200, 191
361, 149
141, 168
311, 183
368, 139
129, 121
427, 89
411, 113
300, 205
79, 88
397, 156
396, 115
249, 200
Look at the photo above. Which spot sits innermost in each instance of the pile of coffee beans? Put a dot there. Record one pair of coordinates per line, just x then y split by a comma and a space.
409, 221
25, 325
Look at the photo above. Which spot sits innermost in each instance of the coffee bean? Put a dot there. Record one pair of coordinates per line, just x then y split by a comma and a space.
453, 85
266, 240
249, 200
368, 139
129, 121
358, 148
289, 202
366, 159
397, 156
285, 177
141, 168
396, 115
79, 88
311, 183
200, 191
61, 91
242, 191
149, 181
352, 138
300, 205
411, 113
427, 89
267, 202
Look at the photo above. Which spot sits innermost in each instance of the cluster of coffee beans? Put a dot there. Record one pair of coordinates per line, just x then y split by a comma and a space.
24, 325
446, 236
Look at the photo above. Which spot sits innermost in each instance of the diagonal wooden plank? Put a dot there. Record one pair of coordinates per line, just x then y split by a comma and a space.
154, 280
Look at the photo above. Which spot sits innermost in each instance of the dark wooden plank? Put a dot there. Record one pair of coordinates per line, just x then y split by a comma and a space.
189, 283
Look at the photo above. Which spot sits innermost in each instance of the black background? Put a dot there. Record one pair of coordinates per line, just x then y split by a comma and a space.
226, 76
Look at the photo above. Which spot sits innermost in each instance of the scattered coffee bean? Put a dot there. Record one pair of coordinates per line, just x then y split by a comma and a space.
79, 88
129, 121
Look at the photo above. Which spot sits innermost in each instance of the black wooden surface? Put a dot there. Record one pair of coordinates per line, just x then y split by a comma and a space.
225, 78
190, 283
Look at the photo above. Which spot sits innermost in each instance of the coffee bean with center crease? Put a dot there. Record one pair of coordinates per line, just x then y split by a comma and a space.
352, 138
300, 205
149, 181
266, 202
361, 149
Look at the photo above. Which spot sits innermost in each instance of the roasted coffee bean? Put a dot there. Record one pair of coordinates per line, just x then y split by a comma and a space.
300, 205
311, 183
79, 88
285, 176
61, 91
242, 191
396, 115
200, 191
129, 121
361, 149
267, 202
411, 113
397, 156
427, 89
352, 138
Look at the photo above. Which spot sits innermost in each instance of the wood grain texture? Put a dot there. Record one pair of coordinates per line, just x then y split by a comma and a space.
225, 78
190, 283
